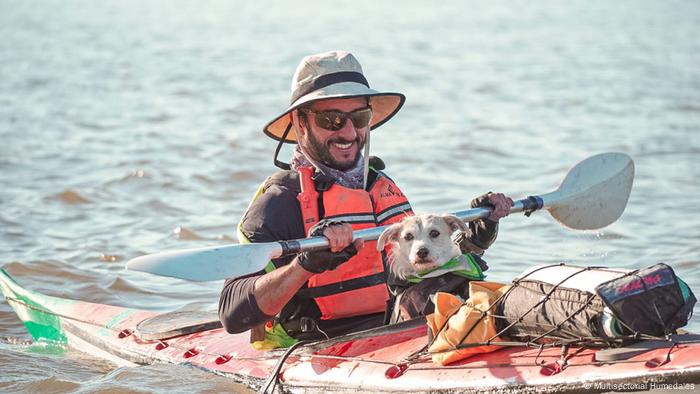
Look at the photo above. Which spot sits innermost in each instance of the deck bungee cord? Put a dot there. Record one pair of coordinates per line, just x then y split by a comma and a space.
541, 335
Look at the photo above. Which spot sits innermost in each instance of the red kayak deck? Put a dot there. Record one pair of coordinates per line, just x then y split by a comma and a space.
386, 359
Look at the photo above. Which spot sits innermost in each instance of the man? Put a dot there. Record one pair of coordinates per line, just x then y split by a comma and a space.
329, 189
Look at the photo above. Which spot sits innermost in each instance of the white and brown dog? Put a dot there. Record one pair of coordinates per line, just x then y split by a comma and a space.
421, 244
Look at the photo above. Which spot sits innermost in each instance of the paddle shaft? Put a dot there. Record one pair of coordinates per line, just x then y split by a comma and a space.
528, 205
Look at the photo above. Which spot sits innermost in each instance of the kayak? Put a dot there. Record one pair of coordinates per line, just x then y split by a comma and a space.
385, 359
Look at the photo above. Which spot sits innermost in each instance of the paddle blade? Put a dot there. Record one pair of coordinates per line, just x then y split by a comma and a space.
209, 263
594, 193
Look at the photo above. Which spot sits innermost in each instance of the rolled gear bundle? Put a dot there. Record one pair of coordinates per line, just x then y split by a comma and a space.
460, 329
593, 304
541, 312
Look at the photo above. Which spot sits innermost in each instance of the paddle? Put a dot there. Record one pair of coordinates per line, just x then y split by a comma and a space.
592, 195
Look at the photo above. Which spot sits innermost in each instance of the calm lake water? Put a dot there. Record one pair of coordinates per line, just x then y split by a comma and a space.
133, 127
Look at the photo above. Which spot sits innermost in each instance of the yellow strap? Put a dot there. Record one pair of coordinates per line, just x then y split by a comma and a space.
275, 338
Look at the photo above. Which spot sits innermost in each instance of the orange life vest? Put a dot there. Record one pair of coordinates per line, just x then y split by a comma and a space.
358, 286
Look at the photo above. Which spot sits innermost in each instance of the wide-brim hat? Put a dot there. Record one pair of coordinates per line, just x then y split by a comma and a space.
335, 74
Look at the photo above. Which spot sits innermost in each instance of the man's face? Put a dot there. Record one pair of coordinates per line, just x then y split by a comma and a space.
338, 149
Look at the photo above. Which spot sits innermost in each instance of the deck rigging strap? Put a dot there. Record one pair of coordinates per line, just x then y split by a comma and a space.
554, 331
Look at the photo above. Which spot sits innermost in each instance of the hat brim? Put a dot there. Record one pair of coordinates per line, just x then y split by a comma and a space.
384, 106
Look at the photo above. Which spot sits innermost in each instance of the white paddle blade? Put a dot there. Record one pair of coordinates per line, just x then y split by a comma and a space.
594, 193
209, 263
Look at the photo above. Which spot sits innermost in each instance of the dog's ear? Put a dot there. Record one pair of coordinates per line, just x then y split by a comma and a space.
391, 234
454, 223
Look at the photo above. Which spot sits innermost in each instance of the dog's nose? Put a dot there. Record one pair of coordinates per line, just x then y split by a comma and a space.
423, 253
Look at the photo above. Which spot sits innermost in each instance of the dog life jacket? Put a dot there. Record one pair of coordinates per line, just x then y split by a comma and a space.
358, 286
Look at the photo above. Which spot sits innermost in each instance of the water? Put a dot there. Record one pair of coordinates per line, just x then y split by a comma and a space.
131, 127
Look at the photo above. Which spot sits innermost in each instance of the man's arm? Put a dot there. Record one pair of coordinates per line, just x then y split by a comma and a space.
482, 233
238, 309
249, 301
273, 290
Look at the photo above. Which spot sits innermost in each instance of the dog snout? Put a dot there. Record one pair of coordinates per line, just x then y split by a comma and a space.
423, 253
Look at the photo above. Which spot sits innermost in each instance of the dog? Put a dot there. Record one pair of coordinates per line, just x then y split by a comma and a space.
421, 244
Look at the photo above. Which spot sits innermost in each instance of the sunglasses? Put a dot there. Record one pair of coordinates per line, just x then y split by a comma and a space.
335, 120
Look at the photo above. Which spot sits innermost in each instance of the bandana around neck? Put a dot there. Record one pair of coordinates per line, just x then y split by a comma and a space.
463, 265
352, 178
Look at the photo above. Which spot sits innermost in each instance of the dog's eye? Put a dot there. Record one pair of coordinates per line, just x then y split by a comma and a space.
434, 234
408, 237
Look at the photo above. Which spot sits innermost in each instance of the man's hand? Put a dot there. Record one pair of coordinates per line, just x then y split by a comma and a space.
499, 203
342, 248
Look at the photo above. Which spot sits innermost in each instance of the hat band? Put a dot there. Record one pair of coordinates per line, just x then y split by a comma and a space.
327, 80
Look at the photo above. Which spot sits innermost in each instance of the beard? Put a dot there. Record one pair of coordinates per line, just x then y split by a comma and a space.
321, 151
